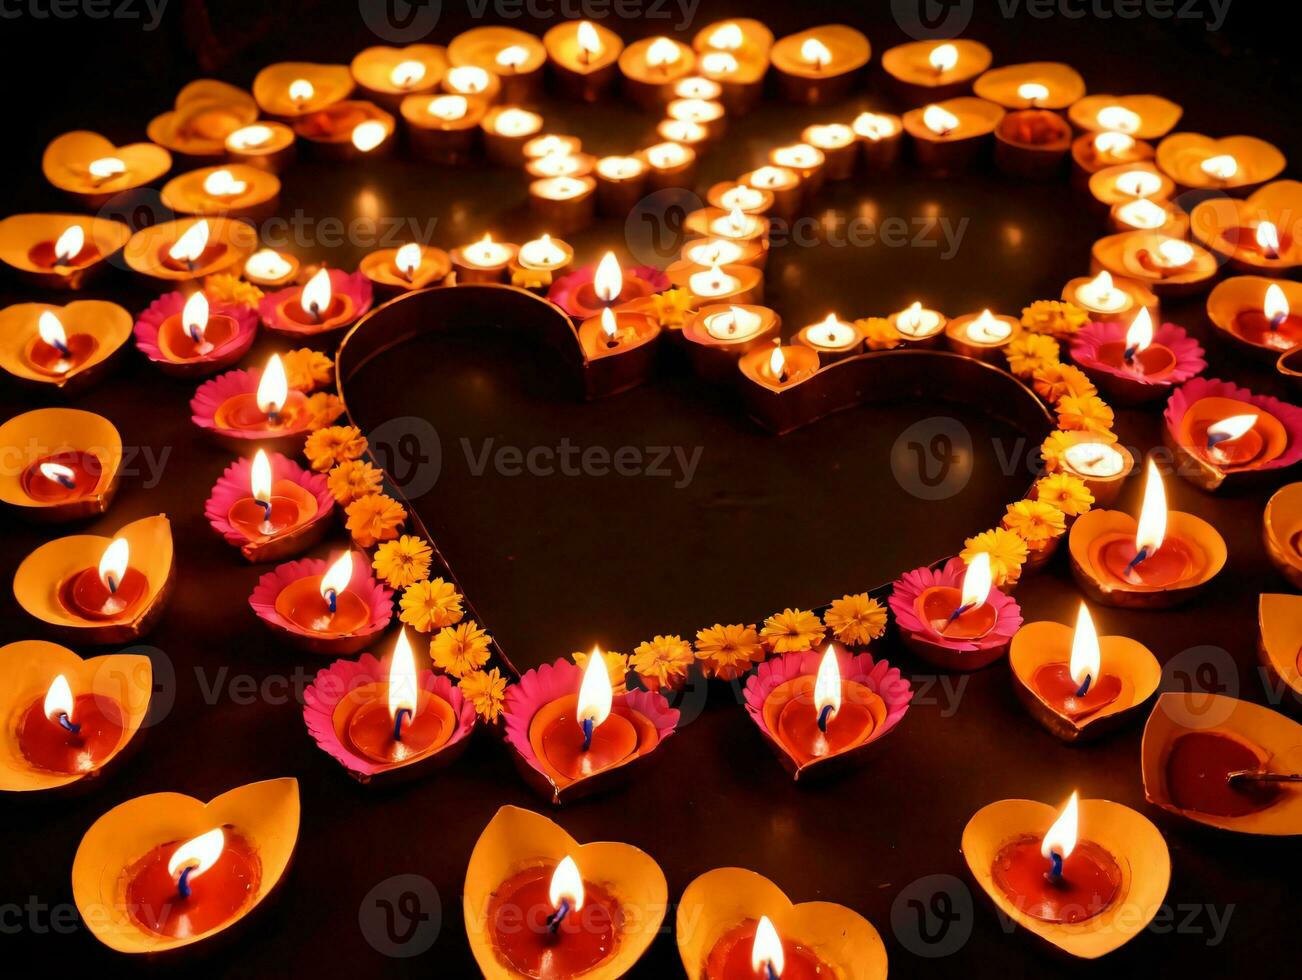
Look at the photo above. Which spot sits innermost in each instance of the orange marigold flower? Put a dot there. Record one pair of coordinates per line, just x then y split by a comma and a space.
1030, 352
1086, 413
1054, 317
856, 619
486, 690
403, 562
226, 288
879, 333
792, 630
373, 518
672, 307
335, 444
1007, 553
1066, 492
427, 606
662, 661
354, 478
307, 369
1055, 381
727, 652
457, 650
616, 667
1035, 521
324, 408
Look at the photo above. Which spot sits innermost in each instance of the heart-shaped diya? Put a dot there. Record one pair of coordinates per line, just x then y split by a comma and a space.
68, 467
93, 170
62, 347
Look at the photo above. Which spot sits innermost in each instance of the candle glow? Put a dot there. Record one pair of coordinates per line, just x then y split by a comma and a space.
512, 57
734, 323
316, 294
59, 703
663, 53
1151, 530
449, 108
1267, 238
595, 696
988, 329
1101, 294
369, 134
718, 63
1172, 253
50, 329
195, 856
1060, 840
1139, 183
106, 168
542, 253
1227, 429
827, 688
517, 122
267, 264
1222, 167
301, 90
69, 244
943, 58
191, 244
113, 563
874, 126
222, 183
1033, 92
977, 582
486, 252
726, 37
566, 888
1085, 653
589, 41
777, 362
1119, 119
405, 74
1139, 335
468, 79
916, 322
408, 258
939, 120
619, 168
766, 955
273, 388
815, 52
249, 137
608, 281
260, 480
1275, 307
194, 316
1094, 459
336, 580
404, 682
1113, 143
1143, 214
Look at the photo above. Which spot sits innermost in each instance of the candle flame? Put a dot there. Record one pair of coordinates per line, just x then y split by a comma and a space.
404, 682
273, 386
943, 57
1139, 183
664, 155
468, 79
1098, 291
369, 134
662, 53
301, 90
448, 107
191, 244
198, 854
512, 57
1085, 654
912, 317
608, 326
766, 951
1151, 530
939, 120
267, 263
608, 281
588, 39
815, 52
1220, 167
988, 328
827, 685
338, 575
1061, 837
1119, 119
1033, 91
516, 122
595, 693
194, 315
260, 477
58, 700
566, 885
977, 581
223, 183
737, 221
1143, 214
250, 137
1139, 335
56, 472
408, 259
106, 167
50, 327
873, 126
1114, 143
726, 37
1234, 427
405, 74
1276, 305
113, 563
1268, 237
69, 245
777, 361
1174, 253
317, 293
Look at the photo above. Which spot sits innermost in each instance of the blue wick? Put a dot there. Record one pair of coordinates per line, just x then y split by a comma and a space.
556, 918
397, 722
68, 724
266, 512
183, 883
1081, 691
1140, 555
587, 733
824, 717
66, 482
331, 596
960, 611
61, 347
112, 583
769, 972
273, 418
1130, 353
1277, 321
194, 333
1214, 438
1055, 867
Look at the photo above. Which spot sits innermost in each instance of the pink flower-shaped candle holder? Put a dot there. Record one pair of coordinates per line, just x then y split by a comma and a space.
578, 296
228, 408
329, 301
190, 342
1132, 373
300, 508
926, 604
292, 600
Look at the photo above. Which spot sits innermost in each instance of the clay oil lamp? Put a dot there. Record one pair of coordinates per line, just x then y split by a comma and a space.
506, 129
718, 334
1224, 763
712, 251
394, 271
821, 710
265, 144
1279, 617
1078, 685
233, 190
444, 129
1144, 117
387, 722
568, 204
540, 261
1282, 532
669, 165
1235, 164
1084, 879
205, 112
334, 608
1144, 214
1034, 138
483, 261
583, 58
331, 300
245, 406
952, 616
619, 350
1221, 433
839, 146
1097, 460
269, 507
1130, 182
734, 924
387, 75
166, 871
189, 336
832, 338
572, 736
949, 137
920, 327
734, 55
774, 387
728, 194
881, 137
62, 348
1110, 299
819, 66
650, 67
1159, 561
621, 183
68, 722
1092, 152
734, 225
347, 130
97, 590
538, 903
268, 268
1168, 266
516, 58
1259, 234
189, 249
292, 89
59, 251
1255, 315
982, 335
1133, 365
930, 71
808, 162
65, 464
472, 80
584, 293
93, 170
734, 284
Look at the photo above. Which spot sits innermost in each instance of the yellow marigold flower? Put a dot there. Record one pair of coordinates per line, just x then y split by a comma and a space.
662, 661
352, 479
1057, 443
486, 690
856, 619
616, 667
879, 333
403, 562
307, 369
324, 408
1007, 553
1054, 317
457, 650
228, 289
1066, 492
672, 307
326, 448
727, 652
373, 518
1035, 521
1029, 352
792, 630
427, 606
1087, 413
1055, 381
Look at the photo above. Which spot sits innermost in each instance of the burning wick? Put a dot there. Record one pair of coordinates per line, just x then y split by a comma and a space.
397, 721
194, 857
977, 581
58, 703
1060, 841
556, 918
1231, 428
566, 891
59, 473
827, 689
595, 694
51, 331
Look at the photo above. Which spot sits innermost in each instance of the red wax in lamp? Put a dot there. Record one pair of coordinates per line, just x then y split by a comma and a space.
961, 614
397, 721
194, 333
271, 408
166, 899
1149, 560
1137, 353
1078, 688
62, 476
736, 955
317, 305
610, 285
266, 513
581, 736
825, 715
322, 604
1055, 879
55, 353
1034, 127
1265, 239
548, 922
65, 734
70, 250
192, 250
1197, 770
106, 592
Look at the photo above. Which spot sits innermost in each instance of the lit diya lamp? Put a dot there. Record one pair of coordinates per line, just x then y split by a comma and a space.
331, 300
1095, 151
728, 194
1279, 618
583, 58
819, 66
539, 261
809, 162
1259, 234
268, 268
584, 293
1135, 364
93, 170
1224, 763
93, 589
245, 406
734, 56
444, 129
188, 249
388, 75
393, 271
568, 204
710, 251
291, 89
472, 80
619, 350
1281, 524
1235, 164
950, 136
506, 130
1143, 214
982, 335
385, 722
63, 348
774, 388
621, 183
347, 130
839, 146
59, 251
1084, 879
269, 507
164, 871
572, 736
718, 334
832, 338
1167, 266
821, 711
650, 67
1157, 562
265, 144
1110, 299
334, 608
482, 261
1096, 459
734, 225
881, 137
235, 190
539, 904
928, 71
205, 112
669, 165
69, 721
783, 183
1139, 118
1222, 433
953, 616
191, 336
1128, 183
739, 284
559, 164
1034, 138
1078, 685
65, 464
705, 113
920, 327
689, 134
515, 57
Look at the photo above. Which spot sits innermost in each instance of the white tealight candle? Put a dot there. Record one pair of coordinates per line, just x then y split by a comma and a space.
712, 282
1094, 459
542, 253
557, 165
1172, 253
743, 197
918, 323
715, 251
486, 253
833, 333
798, 156
874, 126
735, 224
267, 264
733, 324
449, 108
1139, 183
249, 137
774, 178
559, 188
222, 183
620, 168
988, 329
467, 80
1100, 295
517, 122
696, 87
1142, 214
1119, 119
664, 156
832, 136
